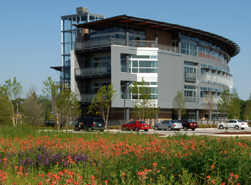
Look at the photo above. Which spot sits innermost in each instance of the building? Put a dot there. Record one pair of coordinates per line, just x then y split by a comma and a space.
123, 49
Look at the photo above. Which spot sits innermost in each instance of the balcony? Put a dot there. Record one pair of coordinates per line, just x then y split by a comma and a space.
85, 98
190, 77
107, 42
191, 98
92, 72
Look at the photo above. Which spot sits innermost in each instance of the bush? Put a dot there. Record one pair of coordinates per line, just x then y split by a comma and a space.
207, 126
114, 127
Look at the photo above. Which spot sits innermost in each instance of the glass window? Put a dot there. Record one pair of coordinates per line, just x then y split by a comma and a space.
147, 70
203, 72
154, 83
135, 63
147, 63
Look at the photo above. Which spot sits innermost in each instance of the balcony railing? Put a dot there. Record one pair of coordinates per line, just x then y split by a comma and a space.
85, 97
191, 98
93, 71
91, 44
190, 76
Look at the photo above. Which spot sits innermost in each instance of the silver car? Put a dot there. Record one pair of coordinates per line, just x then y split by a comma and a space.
169, 125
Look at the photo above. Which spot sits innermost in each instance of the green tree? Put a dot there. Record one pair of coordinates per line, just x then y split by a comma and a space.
146, 106
210, 107
247, 112
224, 104
68, 105
32, 108
13, 90
5, 107
51, 91
101, 103
179, 105
235, 107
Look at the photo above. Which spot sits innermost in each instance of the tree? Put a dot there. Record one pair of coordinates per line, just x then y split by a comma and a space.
146, 106
179, 104
51, 90
247, 112
32, 108
101, 103
210, 107
224, 103
235, 107
5, 106
68, 105
13, 90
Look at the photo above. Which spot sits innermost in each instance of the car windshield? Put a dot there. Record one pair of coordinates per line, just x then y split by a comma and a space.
142, 122
240, 121
175, 121
189, 121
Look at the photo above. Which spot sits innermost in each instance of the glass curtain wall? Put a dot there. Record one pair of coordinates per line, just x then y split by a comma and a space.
68, 36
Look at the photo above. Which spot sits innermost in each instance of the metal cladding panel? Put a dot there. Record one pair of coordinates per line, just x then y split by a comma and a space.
170, 78
117, 76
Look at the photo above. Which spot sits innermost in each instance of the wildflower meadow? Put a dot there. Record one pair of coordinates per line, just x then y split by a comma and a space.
29, 156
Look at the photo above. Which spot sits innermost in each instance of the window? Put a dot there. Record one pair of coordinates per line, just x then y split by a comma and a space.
188, 48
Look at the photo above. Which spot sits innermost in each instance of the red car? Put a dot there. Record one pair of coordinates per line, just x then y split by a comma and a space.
136, 125
188, 124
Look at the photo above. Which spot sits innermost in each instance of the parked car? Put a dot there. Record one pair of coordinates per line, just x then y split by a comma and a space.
136, 125
233, 123
91, 123
188, 124
169, 125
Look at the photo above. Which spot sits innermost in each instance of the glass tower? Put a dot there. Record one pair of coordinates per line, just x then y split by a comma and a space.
68, 36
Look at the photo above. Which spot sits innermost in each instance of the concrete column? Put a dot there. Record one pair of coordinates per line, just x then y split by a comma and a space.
127, 63
127, 37
127, 115
197, 115
88, 17
156, 38
156, 119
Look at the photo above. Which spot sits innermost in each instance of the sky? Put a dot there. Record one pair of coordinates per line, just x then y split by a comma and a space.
30, 32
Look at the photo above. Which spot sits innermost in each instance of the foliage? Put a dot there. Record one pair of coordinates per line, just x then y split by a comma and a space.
96, 158
101, 103
13, 90
68, 105
32, 108
146, 106
179, 105
51, 91
47, 103
5, 107
235, 108
209, 107
224, 104
247, 112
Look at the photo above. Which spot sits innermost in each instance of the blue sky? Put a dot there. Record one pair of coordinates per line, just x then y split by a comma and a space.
30, 32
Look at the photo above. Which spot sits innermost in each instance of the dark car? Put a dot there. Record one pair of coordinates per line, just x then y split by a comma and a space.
91, 123
188, 124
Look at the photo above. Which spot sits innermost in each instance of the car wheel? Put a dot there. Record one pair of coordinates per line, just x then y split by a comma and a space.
146, 130
137, 129
169, 128
77, 128
193, 129
89, 129
156, 128
236, 127
185, 128
221, 127
124, 128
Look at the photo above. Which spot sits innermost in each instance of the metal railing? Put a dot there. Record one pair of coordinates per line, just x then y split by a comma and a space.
90, 44
168, 48
85, 97
191, 76
191, 98
92, 71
